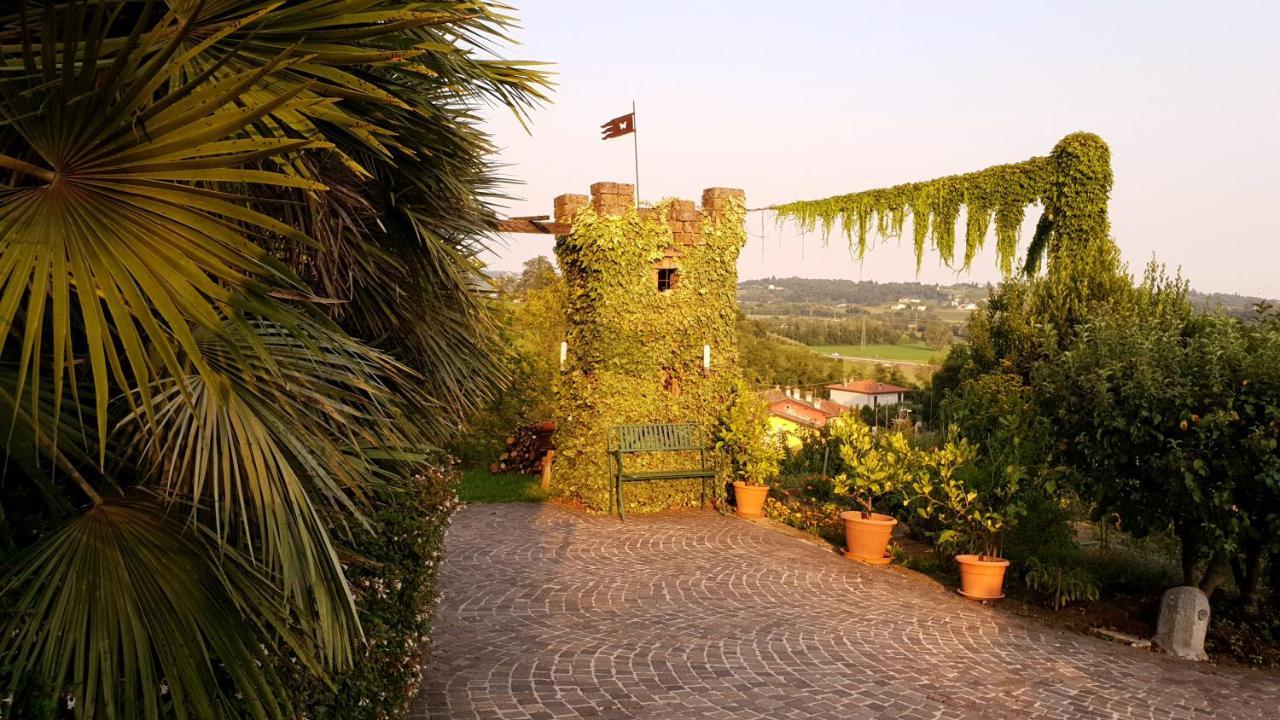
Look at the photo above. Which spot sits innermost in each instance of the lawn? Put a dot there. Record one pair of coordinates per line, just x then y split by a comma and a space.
909, 353
481, 486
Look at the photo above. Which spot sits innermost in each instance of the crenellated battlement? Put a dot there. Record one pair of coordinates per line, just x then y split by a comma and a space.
685, 219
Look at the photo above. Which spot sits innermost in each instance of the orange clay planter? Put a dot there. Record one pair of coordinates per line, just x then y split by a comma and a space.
867, 539
981, 578
749, 499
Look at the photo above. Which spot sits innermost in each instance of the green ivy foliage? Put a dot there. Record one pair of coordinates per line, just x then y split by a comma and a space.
635, 354
1072, 184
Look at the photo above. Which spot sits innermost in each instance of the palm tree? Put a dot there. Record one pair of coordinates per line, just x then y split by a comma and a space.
238, 298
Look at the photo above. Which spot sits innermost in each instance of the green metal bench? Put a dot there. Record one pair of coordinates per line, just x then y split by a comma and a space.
626, 440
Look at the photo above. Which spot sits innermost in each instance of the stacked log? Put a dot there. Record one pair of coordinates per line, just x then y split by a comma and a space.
528, 450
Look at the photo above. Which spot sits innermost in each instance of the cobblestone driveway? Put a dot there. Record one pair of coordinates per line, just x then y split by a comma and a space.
551, 614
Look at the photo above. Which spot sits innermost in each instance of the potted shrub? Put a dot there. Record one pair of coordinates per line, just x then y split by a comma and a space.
878, 462
752, 455
977, 497
974, 519
982, 572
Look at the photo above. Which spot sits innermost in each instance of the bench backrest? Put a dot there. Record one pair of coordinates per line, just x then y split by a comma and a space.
654, 438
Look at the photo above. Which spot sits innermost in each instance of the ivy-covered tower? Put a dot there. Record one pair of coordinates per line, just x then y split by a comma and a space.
652, 338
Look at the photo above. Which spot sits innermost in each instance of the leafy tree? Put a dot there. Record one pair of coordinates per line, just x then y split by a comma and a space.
538, 273
831, 291
879, 464
768, 360
936, 334
835, 332
885, 465
1240, 439
239, 295
890, 374
1169, 420
532, 321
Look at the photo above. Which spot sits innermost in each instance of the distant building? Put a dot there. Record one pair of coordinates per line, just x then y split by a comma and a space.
898, 306
971, 306
791, 413
866, 393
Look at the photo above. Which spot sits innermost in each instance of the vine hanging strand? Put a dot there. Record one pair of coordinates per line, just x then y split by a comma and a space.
1072, 184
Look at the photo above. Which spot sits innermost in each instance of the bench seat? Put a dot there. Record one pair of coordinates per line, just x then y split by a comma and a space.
625, 440
668, 475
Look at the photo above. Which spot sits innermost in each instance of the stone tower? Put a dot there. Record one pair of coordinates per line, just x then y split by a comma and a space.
652, 329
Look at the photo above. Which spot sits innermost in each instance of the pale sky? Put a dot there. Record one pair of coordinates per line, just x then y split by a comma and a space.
805, 100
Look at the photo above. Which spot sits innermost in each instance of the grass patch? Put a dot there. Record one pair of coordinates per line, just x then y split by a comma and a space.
910, 353
481, 486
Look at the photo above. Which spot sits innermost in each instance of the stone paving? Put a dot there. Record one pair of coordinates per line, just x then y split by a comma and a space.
547, 614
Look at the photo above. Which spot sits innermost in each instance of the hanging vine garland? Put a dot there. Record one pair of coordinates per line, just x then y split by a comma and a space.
1072, 184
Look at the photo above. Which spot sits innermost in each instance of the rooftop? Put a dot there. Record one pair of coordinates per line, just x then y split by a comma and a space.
868, 387
804, 413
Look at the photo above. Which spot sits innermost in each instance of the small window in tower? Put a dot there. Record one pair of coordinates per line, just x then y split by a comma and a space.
667, 278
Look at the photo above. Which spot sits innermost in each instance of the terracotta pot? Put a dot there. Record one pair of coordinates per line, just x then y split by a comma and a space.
981, 578
867, 539
749, 499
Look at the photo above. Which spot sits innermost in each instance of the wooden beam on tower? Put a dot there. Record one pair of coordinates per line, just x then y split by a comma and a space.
538, 225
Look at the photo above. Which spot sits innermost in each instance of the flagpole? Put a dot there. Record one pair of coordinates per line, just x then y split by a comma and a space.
635, 144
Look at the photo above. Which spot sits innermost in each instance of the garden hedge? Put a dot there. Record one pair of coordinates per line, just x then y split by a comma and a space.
392, 566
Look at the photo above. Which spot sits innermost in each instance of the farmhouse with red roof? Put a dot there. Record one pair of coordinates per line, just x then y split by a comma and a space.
866, 393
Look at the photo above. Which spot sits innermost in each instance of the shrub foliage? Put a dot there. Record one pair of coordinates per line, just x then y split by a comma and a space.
392, 568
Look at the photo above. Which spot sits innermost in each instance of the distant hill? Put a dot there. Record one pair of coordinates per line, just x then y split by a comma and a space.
1228, 302
821, 291
852, 292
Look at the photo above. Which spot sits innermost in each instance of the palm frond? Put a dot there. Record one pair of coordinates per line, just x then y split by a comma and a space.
201, 203
411, 184
122, 610
269, 439
108, 249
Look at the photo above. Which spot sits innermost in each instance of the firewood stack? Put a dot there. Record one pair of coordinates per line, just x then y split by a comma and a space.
528, 450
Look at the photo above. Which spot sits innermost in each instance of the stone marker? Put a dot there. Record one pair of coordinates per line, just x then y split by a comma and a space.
1184, 618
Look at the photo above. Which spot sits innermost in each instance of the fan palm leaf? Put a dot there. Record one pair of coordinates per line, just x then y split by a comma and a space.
126, 609
128, 243
275, 438
108, 247
260, 450
191, 194
407, 150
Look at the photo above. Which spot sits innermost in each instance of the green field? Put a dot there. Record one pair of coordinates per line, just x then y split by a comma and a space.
908, 353
479, 486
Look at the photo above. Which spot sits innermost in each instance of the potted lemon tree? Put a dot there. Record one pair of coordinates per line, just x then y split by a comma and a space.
878, 465
975, 524
752, 455
979, 500
882, 464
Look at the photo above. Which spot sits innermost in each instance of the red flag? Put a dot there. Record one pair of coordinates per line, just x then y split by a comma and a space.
619, 126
